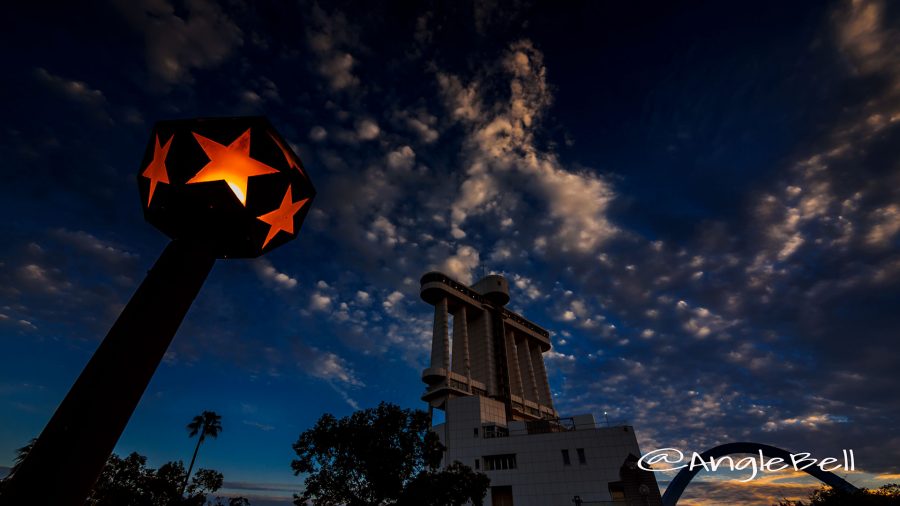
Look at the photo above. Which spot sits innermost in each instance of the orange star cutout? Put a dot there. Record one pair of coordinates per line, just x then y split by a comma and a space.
288, 155
156, 170
282, 219
231, 163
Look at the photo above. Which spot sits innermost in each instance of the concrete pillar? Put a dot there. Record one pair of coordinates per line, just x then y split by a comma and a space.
512, 361
530, 385
460, 362
540, 373
440, 340
488, 333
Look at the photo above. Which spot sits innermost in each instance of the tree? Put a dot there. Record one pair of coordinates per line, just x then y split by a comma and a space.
456, 484
207, 423
886, 495
21, 453
129, 482
378, 456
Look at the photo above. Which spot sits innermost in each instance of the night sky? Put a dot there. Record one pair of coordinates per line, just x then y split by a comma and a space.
701, 201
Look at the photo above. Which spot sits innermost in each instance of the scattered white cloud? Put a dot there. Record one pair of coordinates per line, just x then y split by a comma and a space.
268, 273
367, 130
402, 158
331, 38
885, 226
501, 140
204, 38
77, 91
422, 123
258, 425
319, 302
317, 134
461, 265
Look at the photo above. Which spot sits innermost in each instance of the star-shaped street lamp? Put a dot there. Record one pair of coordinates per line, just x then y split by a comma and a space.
232, 164
220, 188
282, 219
156, 171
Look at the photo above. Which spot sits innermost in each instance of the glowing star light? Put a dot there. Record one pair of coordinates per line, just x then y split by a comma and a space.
289, 156
282, 219
231, 164
245, 167
156, 171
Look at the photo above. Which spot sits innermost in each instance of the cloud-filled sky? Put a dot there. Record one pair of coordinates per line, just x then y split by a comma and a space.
701, 201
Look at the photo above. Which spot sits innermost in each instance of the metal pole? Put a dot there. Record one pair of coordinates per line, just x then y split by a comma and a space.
70, 453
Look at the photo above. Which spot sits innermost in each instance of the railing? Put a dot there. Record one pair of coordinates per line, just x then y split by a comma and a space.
550, 425
492, 431
438, 277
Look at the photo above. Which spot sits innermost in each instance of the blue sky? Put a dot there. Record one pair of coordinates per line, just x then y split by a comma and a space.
700, 201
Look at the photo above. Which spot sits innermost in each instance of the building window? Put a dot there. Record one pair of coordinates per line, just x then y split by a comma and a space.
477, 464
492, 431
581, 458
476, 431
499, 462
566, 460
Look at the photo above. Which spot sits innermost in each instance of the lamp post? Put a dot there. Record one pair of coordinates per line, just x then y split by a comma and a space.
220, 188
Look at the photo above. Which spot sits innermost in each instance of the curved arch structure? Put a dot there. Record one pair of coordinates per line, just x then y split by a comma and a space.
681, 480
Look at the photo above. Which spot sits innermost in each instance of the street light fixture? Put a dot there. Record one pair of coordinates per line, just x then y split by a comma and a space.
220, 188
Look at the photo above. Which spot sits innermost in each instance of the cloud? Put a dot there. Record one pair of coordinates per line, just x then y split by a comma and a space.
460, 265
64, 279
385, 232
423, 124
402, 158
329, 367
267, 272
258, 425
317, 134
502, 153
329, 37
863, 37
809, 421
176, 45
319, 302
78, 92
885, 226
90, 244
367, 130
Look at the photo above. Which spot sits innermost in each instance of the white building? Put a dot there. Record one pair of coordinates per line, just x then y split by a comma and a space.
491, 383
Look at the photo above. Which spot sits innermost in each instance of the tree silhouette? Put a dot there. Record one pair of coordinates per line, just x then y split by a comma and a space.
886, 495
207, 423
21, 453
379, 456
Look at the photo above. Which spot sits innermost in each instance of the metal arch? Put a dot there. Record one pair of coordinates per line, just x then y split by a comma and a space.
680, 482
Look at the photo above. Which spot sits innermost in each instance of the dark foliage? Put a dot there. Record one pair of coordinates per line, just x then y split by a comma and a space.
886, 495
456, 484
379, 456
129, 482
208, 423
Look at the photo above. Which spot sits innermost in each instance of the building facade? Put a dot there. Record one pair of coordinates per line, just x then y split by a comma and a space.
487, 375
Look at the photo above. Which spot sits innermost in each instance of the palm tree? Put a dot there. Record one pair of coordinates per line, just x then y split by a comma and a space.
206, 424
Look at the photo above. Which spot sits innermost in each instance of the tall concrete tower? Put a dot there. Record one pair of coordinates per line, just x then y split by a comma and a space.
493, 352
487, 375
